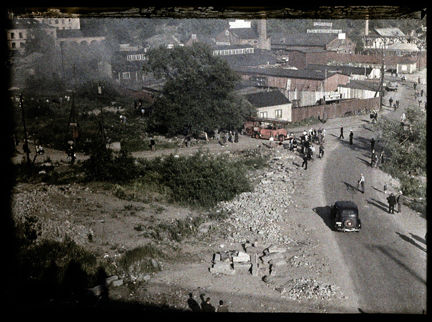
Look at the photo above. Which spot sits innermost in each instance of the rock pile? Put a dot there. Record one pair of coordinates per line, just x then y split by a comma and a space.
270, 262
262, 211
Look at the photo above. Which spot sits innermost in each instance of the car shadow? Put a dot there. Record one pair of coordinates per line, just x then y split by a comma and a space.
411, 241
325, 214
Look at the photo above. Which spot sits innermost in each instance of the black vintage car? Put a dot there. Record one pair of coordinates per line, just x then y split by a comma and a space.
345, 216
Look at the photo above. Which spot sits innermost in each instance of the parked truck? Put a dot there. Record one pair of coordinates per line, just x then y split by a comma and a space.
262, 128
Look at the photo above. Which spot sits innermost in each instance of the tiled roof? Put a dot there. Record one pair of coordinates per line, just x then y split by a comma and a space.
301, 39
281, 72
244, 33
75, 33
255, 59
347, 70
366, 85
263, 99
390, 32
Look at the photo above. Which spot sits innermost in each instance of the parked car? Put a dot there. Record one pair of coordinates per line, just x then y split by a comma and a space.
392, 86
345, 216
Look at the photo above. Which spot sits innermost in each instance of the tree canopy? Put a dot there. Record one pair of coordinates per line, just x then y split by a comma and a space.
198, 93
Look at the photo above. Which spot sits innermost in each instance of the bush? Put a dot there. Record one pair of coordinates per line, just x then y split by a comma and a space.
201, 180
138, 260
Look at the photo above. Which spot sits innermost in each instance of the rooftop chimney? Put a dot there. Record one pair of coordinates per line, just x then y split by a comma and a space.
367, 27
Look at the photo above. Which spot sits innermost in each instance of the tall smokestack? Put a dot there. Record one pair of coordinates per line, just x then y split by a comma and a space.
367, 27
262, 29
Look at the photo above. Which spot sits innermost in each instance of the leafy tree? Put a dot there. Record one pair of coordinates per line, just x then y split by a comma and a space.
197, 94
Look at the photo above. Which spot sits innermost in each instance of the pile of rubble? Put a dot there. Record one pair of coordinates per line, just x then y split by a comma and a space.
262, 211
270, 262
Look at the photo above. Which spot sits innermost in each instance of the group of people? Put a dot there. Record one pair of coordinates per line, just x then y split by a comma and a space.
393, 200
205, 306
306, 141
223, 137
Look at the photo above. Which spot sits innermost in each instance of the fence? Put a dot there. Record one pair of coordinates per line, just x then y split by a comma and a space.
344, 108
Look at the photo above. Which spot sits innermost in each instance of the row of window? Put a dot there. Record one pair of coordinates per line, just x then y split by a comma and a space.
224, 52
17, 45
20, 35
278, 114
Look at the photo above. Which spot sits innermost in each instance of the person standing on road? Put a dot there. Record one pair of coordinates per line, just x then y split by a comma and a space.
391, 101
351, 135
399, 202
361, 182
372, 141
392, 202
373, 158
236, 137
321, 150
385, 188
415, 86
152, 144
341, 133
382, 157
305, 161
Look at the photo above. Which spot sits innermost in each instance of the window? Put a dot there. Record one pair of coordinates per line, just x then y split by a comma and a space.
278, 113
20, 34
12, 35
126, 75
13, 45
263, 114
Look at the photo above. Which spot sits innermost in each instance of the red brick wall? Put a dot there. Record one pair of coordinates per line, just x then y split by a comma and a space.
334, 110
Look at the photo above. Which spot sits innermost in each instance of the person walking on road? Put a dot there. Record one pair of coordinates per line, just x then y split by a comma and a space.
372, 141
305, 161
385, 188
351, 135
206, 305
361, 182
321, 150
341, 133
392, 202
391, 101
399, 202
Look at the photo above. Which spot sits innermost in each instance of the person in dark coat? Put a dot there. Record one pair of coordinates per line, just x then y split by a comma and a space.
341, 133
206, 306
193, 305
351, 135
372, 141
392, 202
222, 307
321, 150
305, 161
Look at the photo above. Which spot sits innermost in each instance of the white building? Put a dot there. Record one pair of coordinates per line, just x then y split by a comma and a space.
61, 23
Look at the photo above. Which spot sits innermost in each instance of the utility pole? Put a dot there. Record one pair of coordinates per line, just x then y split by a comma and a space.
27, 149
101, 123
73, 122
381, 86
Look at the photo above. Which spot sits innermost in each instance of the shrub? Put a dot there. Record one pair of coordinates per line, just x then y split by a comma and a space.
138, 260
201, 180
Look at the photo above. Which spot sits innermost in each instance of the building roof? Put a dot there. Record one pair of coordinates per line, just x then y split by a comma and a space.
365, 85
264, 99
244, 33
302, 39
403, 47
344, 69
259, 57
389, 32
282, 72
76, 33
